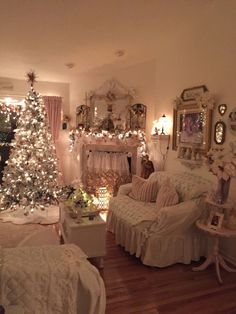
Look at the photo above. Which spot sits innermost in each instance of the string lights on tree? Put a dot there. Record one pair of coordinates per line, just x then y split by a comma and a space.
30, 176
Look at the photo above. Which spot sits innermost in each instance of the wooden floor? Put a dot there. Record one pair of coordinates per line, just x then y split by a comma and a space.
133, 288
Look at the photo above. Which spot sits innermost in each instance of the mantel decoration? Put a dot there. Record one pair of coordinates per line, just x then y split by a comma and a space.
111, 115
110, 127
136, 137
192, 125
222, 163
111, 107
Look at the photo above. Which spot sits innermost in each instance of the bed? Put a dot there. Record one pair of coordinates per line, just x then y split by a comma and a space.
52, 279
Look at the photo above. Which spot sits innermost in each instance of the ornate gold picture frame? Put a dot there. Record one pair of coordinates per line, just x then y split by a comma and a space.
192, 123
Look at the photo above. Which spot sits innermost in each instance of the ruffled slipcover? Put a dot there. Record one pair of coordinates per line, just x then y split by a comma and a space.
165, 237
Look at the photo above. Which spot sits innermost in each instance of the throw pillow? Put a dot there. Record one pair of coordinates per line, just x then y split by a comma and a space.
143, 190
167, 195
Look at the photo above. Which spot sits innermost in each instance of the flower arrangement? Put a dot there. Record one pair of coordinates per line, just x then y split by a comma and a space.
78, 198
222, 163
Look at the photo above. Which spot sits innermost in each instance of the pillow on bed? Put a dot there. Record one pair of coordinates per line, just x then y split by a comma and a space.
167, 195
143, 190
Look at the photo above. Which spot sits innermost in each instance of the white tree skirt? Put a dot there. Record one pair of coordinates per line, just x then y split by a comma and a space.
49, 215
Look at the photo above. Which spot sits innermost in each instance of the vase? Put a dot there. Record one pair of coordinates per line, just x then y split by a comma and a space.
222, 191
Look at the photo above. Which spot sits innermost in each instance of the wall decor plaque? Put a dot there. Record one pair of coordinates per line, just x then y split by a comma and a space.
190, 94
222, 109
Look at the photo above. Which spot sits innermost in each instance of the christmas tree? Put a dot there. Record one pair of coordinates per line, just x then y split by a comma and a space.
30, 176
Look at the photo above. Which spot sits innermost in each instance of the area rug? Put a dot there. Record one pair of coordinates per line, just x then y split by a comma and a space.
44, 217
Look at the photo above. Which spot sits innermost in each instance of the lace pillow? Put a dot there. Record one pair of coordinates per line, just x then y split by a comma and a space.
143, 190
167, 195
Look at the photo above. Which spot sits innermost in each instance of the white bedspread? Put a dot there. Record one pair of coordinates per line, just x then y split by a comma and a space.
50, 280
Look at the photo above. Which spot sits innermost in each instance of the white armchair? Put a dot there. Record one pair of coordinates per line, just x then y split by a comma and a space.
165, 237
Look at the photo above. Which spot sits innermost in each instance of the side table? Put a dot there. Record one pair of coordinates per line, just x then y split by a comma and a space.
214, 256
88, 234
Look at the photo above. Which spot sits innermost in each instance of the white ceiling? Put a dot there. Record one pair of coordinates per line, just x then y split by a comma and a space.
45, 35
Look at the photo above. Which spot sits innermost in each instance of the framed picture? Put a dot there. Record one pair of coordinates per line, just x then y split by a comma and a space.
192, 127
215, 220
190, 94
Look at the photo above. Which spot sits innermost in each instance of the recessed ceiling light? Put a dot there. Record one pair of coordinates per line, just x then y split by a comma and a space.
119, 53
70, 65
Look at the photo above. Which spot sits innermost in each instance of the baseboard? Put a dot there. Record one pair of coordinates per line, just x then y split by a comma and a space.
228, 258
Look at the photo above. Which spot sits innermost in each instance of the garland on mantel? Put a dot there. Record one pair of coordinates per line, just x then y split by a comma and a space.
126, 137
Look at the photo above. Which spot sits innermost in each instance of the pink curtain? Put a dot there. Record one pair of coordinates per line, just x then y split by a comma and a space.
53, 110
53, 106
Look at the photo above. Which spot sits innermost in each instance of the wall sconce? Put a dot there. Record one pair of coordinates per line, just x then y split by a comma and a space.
163, 122
160, 125
103, 199
161, 140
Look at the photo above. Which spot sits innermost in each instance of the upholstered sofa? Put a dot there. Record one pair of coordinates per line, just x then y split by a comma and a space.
166, 236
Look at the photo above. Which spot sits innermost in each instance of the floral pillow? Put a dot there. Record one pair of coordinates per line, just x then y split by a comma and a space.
143, 190
167, 195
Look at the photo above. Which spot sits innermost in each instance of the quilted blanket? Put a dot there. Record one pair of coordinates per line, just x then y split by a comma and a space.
50, 279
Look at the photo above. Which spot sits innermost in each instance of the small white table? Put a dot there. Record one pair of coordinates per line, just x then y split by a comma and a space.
88, 234
226, 208
214, 256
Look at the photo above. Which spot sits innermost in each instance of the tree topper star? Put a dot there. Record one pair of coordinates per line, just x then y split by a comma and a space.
31, 77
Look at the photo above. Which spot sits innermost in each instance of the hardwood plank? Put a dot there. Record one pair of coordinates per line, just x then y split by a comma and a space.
133, 288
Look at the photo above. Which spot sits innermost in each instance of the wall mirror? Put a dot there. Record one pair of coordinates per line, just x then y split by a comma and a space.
111, 108
222, 109
219, 132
